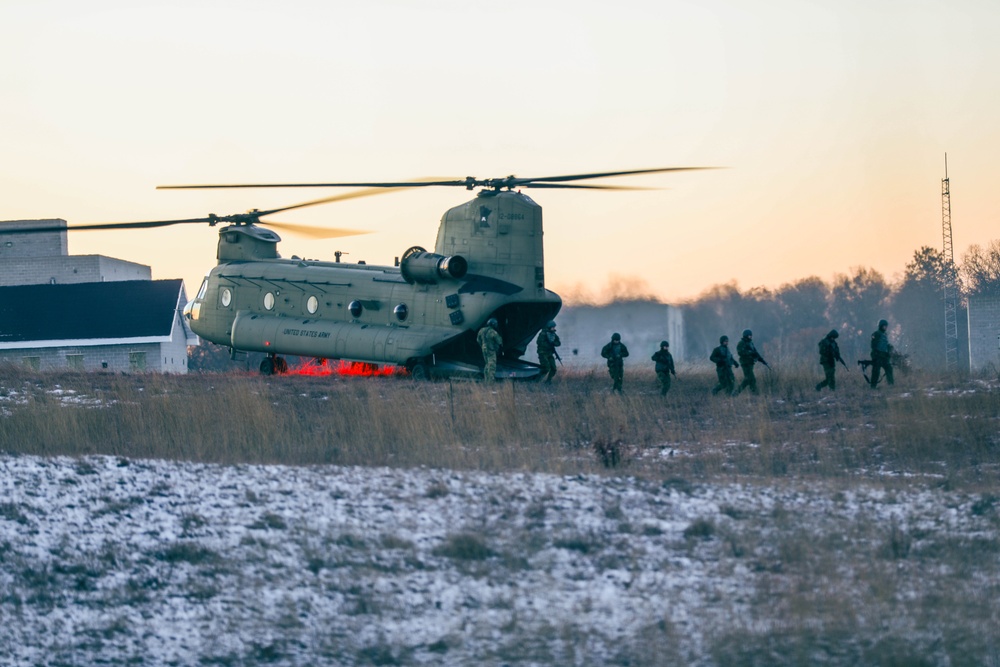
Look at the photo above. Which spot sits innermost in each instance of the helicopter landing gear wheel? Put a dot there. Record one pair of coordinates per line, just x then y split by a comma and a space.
280, 365
273, 364
419, 371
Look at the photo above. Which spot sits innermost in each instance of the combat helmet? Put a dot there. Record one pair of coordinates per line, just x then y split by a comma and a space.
883, 323
664, 343
833, 334
616, 336
747, 333
492, 323
551, 324
723, 339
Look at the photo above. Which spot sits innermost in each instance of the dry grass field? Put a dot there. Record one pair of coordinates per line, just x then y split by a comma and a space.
924, 430
359, 521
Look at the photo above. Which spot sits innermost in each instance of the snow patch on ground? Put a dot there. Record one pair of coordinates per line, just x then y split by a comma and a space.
108, 560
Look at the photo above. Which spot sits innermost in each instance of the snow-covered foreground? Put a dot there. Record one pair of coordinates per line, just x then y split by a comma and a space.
112, 561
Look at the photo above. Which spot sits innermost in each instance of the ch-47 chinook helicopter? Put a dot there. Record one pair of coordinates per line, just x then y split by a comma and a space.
421, 314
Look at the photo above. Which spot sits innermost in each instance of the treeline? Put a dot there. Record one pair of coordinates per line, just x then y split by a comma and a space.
789, 321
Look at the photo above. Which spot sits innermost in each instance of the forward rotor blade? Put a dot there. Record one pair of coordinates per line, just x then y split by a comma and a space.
326, 200
97, 226
313, 232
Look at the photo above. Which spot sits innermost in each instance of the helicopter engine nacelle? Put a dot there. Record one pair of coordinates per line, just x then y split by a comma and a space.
427, 268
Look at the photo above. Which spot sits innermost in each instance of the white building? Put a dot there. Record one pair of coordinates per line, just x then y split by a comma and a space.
86, 312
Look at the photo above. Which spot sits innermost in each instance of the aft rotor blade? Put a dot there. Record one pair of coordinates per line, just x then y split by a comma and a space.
418, 183
604, 174
469, 182
568, 186
313, 232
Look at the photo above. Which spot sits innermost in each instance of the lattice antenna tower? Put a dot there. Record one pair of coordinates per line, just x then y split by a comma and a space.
950, 278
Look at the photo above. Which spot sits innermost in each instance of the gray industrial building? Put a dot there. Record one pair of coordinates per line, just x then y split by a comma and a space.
85, 312
984, 333
584, 330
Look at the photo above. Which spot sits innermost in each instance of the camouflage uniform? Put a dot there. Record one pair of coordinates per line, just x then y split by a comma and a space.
664, 367
724, 365
881, 354
615, 352
548, 341
748, 355
490, 342
829, 355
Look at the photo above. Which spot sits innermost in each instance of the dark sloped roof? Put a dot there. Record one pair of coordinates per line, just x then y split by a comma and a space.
108, 310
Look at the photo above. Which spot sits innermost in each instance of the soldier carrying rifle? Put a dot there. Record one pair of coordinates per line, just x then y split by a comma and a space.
881, 356
548, 341
490, 341
664, 367
829, 355
615, 352
748, 355
724, 365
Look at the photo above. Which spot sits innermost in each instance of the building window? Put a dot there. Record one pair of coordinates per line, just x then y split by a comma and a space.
74, 361
34, 363
137, 361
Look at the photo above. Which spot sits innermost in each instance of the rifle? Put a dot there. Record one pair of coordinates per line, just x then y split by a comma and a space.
558, 358
865, 363
842, 363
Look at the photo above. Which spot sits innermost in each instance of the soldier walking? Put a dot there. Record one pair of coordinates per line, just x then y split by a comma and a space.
829, 355
748, 355
724, 365
548, 341
615, 352
490, 341
664, 367
881, 354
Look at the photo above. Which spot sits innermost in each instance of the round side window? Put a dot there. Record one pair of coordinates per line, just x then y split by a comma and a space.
227, 297
312, 304
355, 308
401, 311
268, 301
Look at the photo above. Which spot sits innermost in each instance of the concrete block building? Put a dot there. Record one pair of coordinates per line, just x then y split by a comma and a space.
984, 333
85, 312
584, 330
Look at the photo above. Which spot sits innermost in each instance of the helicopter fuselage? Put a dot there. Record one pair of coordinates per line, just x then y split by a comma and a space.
422, 314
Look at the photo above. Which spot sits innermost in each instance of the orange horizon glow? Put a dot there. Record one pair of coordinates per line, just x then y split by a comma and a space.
830, 120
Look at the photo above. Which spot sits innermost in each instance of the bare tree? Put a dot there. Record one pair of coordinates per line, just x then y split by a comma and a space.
918, 307
805, 320
857, 303
981, 269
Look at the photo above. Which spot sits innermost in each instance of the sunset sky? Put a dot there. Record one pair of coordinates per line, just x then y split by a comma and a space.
831, 120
